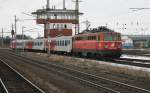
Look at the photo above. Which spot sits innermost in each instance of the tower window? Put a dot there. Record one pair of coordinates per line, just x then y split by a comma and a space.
55, 15
57, 26
65, 26
61, 26
54, 26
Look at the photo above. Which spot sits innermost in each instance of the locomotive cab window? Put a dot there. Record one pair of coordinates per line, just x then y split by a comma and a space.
111, 36
99, 38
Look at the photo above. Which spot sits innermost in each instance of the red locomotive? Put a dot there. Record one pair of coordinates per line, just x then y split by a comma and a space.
102, 44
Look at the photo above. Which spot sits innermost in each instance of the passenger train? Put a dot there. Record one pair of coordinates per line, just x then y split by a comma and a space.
91, 44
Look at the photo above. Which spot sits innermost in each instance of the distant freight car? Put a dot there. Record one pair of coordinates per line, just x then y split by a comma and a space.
127, 43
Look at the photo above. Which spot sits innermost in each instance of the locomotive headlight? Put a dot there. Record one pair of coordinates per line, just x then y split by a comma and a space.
113, 45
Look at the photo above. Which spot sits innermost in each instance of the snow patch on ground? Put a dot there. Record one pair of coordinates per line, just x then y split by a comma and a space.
124, 66
135, 57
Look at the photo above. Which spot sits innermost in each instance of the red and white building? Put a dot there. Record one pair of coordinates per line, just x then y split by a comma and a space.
57, 22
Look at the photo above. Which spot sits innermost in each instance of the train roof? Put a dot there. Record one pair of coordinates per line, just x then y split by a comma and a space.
99, 29
95, 33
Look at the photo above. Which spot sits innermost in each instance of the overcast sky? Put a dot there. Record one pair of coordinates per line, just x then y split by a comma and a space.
114, 13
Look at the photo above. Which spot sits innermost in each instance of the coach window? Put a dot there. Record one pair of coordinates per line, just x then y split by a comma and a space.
62, 43
41, 43
58, 43
66, 43
35, 44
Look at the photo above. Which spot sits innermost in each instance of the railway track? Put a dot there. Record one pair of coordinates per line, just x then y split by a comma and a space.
125, 61
133, 62
2, 87
13, 82
103, 84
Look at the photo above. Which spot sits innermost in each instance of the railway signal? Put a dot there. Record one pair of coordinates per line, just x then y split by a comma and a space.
12, 32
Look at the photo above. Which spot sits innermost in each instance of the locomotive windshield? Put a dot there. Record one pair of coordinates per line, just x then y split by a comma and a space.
112, 37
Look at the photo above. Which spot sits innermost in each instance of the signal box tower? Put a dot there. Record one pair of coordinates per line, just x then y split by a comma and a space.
57, 22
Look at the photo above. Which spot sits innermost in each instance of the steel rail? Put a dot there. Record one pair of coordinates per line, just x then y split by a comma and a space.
132, 62
26, 80
90, 83
3, 86
71, 76
127, 85
132, 59
124, 61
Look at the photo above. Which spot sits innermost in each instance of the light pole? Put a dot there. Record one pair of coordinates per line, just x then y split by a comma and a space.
2, 37
23, 41
15, 33
48, 27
